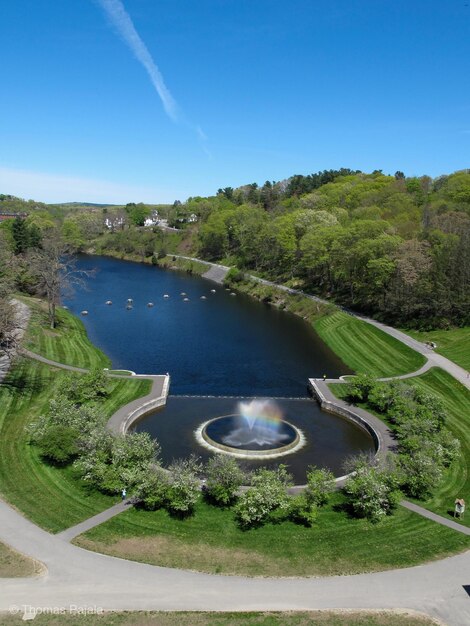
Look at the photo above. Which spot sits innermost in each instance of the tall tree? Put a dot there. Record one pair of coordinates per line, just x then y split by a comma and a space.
55, 271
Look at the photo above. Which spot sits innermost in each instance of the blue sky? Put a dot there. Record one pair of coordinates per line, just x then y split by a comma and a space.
256, 90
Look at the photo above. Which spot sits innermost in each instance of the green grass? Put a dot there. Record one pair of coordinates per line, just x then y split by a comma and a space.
15, 565
453, 344
67, 343
210, 541
51, 497
266, 618
365, 348
456, 400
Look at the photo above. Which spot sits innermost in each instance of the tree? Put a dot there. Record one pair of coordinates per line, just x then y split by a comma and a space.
184, 486
152, 489
267, 494
372, 492
320, 484
55, 271
58, 444
223, 479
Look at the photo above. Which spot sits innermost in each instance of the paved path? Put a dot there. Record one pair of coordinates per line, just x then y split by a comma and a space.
96, 520
75, 576
83, 578
216, 272
125, 416
433, 358
435, 518
22, 318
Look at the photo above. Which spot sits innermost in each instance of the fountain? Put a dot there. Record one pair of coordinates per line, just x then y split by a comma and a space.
256, 430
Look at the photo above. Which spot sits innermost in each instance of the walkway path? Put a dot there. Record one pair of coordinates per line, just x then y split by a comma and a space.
124, 417
435, 518
96, 520
83, 578
434, 359
216, 272
22, 318
78, 577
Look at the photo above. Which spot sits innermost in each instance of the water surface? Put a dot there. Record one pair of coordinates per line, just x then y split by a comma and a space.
223, 345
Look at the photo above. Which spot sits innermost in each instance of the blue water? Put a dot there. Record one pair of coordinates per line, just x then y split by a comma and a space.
223, 345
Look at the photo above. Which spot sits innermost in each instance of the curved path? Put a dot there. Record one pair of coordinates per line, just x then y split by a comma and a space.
75, 576
78, 577
433, 359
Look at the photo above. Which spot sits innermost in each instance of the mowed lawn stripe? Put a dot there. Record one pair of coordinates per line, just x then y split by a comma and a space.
50, 496
210, 541
67, 343
365, 348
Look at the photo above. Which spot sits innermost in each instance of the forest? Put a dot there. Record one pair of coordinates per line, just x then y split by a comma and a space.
394, 247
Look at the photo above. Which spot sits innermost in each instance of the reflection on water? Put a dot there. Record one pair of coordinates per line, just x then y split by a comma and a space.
219, 345
328, 439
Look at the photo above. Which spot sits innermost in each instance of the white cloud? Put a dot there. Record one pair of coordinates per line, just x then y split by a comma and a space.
52, 188
121, 20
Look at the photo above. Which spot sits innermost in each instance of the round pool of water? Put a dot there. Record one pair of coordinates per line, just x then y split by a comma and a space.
328, 439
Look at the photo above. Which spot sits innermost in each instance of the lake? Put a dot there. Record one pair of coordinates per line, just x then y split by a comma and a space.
223, 345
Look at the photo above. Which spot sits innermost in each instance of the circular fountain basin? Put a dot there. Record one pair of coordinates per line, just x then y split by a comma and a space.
228, 434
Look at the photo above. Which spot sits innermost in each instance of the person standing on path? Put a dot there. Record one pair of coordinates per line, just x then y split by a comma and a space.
123, 494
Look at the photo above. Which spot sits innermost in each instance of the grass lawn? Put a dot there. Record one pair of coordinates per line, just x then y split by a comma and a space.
51, 497
453, 344
291, 618
210, 541
15, 565
365, 348
456, 400
67, 343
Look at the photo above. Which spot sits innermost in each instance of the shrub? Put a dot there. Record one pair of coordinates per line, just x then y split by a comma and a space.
302, 511
184, 487
421, 471
58, 444
320, 484
360, 387
223, 479
372, 493
152, 489
267, 494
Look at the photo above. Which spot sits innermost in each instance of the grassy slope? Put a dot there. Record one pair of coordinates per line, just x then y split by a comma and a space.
366, 349
211, 541
456, 400
67, 343
15, 565
48, 495
453, 344
291, 618
359, 345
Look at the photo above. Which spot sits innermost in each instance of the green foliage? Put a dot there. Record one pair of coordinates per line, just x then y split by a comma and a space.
151, 491
223, 479
418, 419
58, 444
183, 487
91, 387
421, 472
372, 492
266, 495
302, 511
320, 485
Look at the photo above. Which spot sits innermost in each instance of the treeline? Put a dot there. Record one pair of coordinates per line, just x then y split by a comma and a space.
394, 247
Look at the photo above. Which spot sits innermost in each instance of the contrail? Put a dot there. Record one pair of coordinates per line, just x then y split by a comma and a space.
119, 17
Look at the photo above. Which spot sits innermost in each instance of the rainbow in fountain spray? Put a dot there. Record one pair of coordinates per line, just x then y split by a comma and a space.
263, 413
